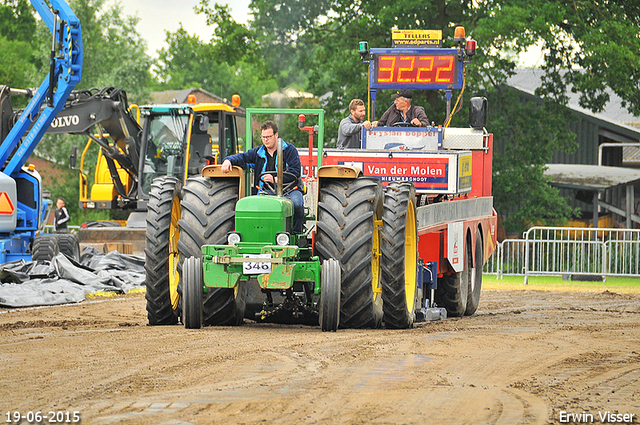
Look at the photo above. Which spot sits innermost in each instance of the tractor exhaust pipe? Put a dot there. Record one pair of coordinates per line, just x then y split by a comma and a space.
279, 166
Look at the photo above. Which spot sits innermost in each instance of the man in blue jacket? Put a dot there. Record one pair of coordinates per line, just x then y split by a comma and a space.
264, 158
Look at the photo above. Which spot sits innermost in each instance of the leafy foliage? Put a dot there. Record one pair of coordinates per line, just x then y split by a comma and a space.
225, 66
17, 26
16, 20
189, 62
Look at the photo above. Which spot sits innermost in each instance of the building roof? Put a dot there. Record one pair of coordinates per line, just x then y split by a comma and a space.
590, 177
528, 80
180, 96
614, 117
280, 98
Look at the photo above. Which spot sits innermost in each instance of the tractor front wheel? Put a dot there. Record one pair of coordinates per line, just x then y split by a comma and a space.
192, 291
330, 295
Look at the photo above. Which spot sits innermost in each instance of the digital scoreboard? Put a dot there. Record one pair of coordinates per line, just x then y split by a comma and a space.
416, 69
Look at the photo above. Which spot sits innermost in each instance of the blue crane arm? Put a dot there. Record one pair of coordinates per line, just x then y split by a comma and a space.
65, 73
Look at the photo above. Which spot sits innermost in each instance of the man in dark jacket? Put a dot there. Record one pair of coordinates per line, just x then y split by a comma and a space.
264, 158
403, 111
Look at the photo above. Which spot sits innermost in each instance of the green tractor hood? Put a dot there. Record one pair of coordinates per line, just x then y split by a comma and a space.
260, 218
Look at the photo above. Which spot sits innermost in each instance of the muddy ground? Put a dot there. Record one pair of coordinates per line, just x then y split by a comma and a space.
526, 357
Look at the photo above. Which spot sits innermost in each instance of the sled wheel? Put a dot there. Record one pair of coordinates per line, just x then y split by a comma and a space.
475, 279
453, 290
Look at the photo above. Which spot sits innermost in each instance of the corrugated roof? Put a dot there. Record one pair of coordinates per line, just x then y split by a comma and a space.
590, 177
528, 80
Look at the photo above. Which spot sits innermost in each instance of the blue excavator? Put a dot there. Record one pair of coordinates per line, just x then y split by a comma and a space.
23, 207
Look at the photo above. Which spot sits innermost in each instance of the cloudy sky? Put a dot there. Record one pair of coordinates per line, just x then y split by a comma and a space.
159, 16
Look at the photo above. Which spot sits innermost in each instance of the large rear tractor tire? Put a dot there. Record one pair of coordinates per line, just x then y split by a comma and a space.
208, 214
453, 290
45, 247
192, 291
70, 245
330, 296
163, 213
349, 218
475, 279
399, 248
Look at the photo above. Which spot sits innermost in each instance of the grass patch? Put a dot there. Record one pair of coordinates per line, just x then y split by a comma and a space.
626, 285
102, 294
111, 294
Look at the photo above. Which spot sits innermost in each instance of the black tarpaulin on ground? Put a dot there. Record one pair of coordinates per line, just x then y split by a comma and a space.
31, 283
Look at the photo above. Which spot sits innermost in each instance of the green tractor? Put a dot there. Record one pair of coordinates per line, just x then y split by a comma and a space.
242, 260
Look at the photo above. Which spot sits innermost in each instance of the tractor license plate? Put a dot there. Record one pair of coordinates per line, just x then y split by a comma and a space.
256, 267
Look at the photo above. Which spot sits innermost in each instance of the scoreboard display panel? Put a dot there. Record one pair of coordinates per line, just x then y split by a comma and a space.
416, 69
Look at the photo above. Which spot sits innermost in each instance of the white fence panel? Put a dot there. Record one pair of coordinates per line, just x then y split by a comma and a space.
568, 250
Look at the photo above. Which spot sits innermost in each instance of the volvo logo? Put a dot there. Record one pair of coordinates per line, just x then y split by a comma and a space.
60, 122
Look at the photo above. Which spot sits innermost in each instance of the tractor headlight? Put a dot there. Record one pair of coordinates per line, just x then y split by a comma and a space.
233, 238
282, 239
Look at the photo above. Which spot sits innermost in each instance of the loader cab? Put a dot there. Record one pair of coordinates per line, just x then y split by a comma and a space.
222, 123
180, 139
164, 137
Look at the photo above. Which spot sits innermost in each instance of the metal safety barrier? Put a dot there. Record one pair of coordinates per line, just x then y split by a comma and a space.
568, 251
508, 259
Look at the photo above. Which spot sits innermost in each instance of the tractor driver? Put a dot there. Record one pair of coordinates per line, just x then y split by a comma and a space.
403, 111
264, 158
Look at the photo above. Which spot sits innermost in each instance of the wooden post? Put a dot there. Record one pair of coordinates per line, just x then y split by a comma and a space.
595, 209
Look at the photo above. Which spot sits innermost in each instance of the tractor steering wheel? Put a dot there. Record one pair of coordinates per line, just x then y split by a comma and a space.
402, 124
286, 188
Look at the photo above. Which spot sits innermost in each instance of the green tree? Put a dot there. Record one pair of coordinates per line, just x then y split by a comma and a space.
17, 28
189, 62
16, 20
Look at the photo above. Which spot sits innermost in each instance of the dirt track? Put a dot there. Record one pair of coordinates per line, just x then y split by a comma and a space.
525, 357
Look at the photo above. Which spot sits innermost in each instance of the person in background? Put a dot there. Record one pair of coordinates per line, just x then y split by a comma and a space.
403, 111
61, 217
264, 158
350, 129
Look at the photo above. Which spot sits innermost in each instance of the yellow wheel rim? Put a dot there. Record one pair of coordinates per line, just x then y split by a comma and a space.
375, 266
410, 258
174, 235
